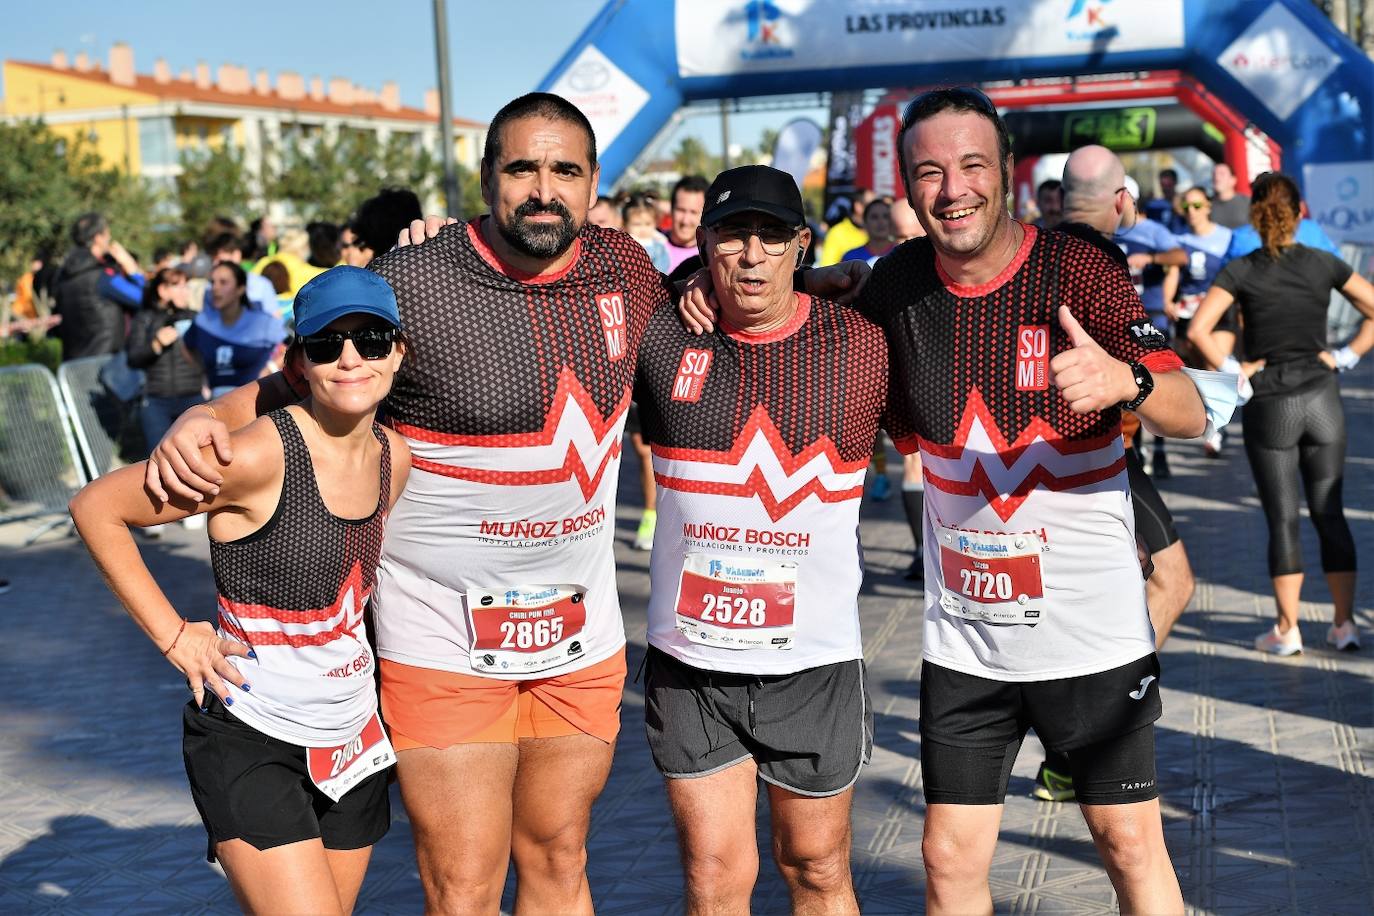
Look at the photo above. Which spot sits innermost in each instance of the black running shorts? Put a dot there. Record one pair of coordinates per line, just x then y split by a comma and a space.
248, 786
972, 729
1154, 525
808, 732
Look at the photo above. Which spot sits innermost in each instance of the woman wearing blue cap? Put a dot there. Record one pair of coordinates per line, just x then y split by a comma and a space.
282, 742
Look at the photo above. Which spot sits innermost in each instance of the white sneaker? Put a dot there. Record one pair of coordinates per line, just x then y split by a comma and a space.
1276, 643
1346, 637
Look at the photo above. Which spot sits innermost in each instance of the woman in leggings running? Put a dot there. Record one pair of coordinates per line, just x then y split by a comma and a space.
1294, 424
282, 743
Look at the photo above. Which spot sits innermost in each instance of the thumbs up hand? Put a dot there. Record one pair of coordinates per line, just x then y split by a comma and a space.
1087, 377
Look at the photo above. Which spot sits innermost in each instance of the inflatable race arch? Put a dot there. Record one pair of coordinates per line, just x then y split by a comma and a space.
1280, 64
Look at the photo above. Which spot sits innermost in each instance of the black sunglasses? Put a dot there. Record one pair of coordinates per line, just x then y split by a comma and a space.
957, 97
327, 346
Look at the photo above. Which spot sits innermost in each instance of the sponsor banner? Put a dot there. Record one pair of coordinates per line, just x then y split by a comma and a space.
1341, 198
1279, 60
722, 37
878, 168
604, 93
846, 113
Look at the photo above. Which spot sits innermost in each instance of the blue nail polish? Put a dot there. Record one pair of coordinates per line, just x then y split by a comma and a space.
253, 655
228, 701
247, 688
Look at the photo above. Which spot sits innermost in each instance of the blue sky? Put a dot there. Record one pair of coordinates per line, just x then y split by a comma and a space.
497, 50
492, 58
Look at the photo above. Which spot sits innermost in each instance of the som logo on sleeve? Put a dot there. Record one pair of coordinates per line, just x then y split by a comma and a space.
1032, 357
610, 308
691, 375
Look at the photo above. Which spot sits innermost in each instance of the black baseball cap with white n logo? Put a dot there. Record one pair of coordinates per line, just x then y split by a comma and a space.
756, 188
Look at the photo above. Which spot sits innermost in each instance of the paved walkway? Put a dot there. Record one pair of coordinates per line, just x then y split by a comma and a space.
1264, 763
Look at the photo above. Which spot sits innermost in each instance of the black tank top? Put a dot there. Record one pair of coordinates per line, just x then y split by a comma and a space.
296, 566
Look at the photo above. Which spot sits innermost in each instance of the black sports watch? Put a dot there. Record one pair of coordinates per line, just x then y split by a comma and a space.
1144, 381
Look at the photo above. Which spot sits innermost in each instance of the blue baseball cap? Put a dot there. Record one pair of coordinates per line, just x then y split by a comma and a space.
342, 291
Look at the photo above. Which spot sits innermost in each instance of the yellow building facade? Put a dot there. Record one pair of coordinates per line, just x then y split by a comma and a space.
141, 122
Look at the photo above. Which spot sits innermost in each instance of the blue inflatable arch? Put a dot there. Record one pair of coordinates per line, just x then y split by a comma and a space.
1280, 63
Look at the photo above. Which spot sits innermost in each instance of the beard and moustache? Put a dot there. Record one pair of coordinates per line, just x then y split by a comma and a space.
540, 240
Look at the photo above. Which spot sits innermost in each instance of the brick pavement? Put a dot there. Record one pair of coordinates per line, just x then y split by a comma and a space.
1264, 763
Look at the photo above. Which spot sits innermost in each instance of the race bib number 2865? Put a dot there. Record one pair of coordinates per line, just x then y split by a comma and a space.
520, 630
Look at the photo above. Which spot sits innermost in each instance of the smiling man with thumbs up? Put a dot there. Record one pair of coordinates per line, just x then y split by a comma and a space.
1013, 352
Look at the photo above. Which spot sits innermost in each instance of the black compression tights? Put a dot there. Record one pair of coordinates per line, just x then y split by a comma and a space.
1288, 435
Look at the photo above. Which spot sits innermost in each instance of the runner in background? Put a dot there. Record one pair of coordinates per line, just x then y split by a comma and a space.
1206, 243
1294, 424
1164, 208
637, 219
1150, 249
606, 214
283, 746
878, 225
1229, 208
1049, 200
845, 232
687, 200
234, 339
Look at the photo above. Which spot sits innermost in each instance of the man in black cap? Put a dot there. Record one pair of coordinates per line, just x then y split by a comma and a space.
761, 434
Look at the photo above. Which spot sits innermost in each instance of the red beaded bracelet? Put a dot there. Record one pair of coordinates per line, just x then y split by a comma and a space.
175, 638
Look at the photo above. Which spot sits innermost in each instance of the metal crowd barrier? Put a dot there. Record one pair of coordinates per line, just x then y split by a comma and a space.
40, 466
96, 414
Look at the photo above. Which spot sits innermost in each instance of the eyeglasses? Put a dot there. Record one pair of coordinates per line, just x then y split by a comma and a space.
327, 346
734, 239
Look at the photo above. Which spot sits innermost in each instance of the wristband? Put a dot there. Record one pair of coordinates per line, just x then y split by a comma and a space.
175, 638
1145, 383
1346, 359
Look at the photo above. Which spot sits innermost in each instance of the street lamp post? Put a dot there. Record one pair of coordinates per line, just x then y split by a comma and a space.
452, 200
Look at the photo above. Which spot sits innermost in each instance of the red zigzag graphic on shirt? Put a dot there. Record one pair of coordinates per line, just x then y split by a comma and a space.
570, 391
760, 425
979, 483
347, 607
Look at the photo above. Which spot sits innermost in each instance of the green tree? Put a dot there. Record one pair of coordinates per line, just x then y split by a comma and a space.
47, 180
327, 178
212, 183
691, 158
314, 177
768, 139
